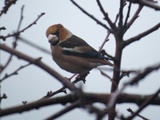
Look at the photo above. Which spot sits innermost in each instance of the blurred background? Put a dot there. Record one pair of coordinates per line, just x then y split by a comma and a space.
33, 83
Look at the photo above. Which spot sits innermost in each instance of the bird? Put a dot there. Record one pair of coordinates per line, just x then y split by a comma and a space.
72, 53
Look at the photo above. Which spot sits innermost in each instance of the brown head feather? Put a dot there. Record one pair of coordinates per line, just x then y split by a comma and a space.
63, 33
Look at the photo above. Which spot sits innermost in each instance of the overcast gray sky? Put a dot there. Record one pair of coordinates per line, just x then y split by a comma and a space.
136, 56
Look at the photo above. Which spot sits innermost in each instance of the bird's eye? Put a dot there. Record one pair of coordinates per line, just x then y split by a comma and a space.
56, 33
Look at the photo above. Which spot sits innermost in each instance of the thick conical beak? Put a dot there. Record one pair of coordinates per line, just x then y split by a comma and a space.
53, 39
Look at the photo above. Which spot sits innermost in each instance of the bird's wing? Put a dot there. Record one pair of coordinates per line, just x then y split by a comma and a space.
77, 47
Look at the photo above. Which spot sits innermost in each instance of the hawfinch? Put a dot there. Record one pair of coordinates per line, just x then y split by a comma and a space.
72, 53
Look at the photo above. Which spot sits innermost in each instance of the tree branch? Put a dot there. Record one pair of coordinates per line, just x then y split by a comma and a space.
14, 72
14, 44
144, 104
132, 112
70, 98
108, 34
91, 16
127, 16
63, 111
106, 17
141, 35
8, 4
51, 94
2, 28
35, 105
4, 96
135, 16
40, 64
133, 81
27, 27
121, 15
147, 3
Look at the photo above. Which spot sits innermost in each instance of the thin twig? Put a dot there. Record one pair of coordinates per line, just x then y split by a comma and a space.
8, 4
141, 35
144, 104
104, 74
14, 72
63, 111
128, 15
106, 17
27, 27
104, 42
18, 28
148, 3
15, 41
62, 89
135, 16
132, 112
4, 96
21, 18
108, 34
2, 28
91, 16
50, 93
133, 81
121, 15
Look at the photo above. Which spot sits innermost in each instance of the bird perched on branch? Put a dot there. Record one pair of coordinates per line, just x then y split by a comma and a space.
72, 53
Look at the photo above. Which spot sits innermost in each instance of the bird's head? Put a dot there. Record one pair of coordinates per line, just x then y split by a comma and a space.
57, 34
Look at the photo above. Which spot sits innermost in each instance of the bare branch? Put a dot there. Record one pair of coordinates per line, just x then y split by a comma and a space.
132, 112
70, 98
8, 4
6, 64
91, 16
40, 64
27, 27
133, 81
21, 18
4, 96
141, 35
121, 14
146, 72
144, 104
147, 3
104, 42
128, 15
63, 111
35, 105
108, 34
106, 17
107, 76
2, 28
16, 35
51, 94
18, 28
15, 41
14, 73
135, 16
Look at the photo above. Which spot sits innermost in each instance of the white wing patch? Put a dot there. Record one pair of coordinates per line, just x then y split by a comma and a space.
75, 49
